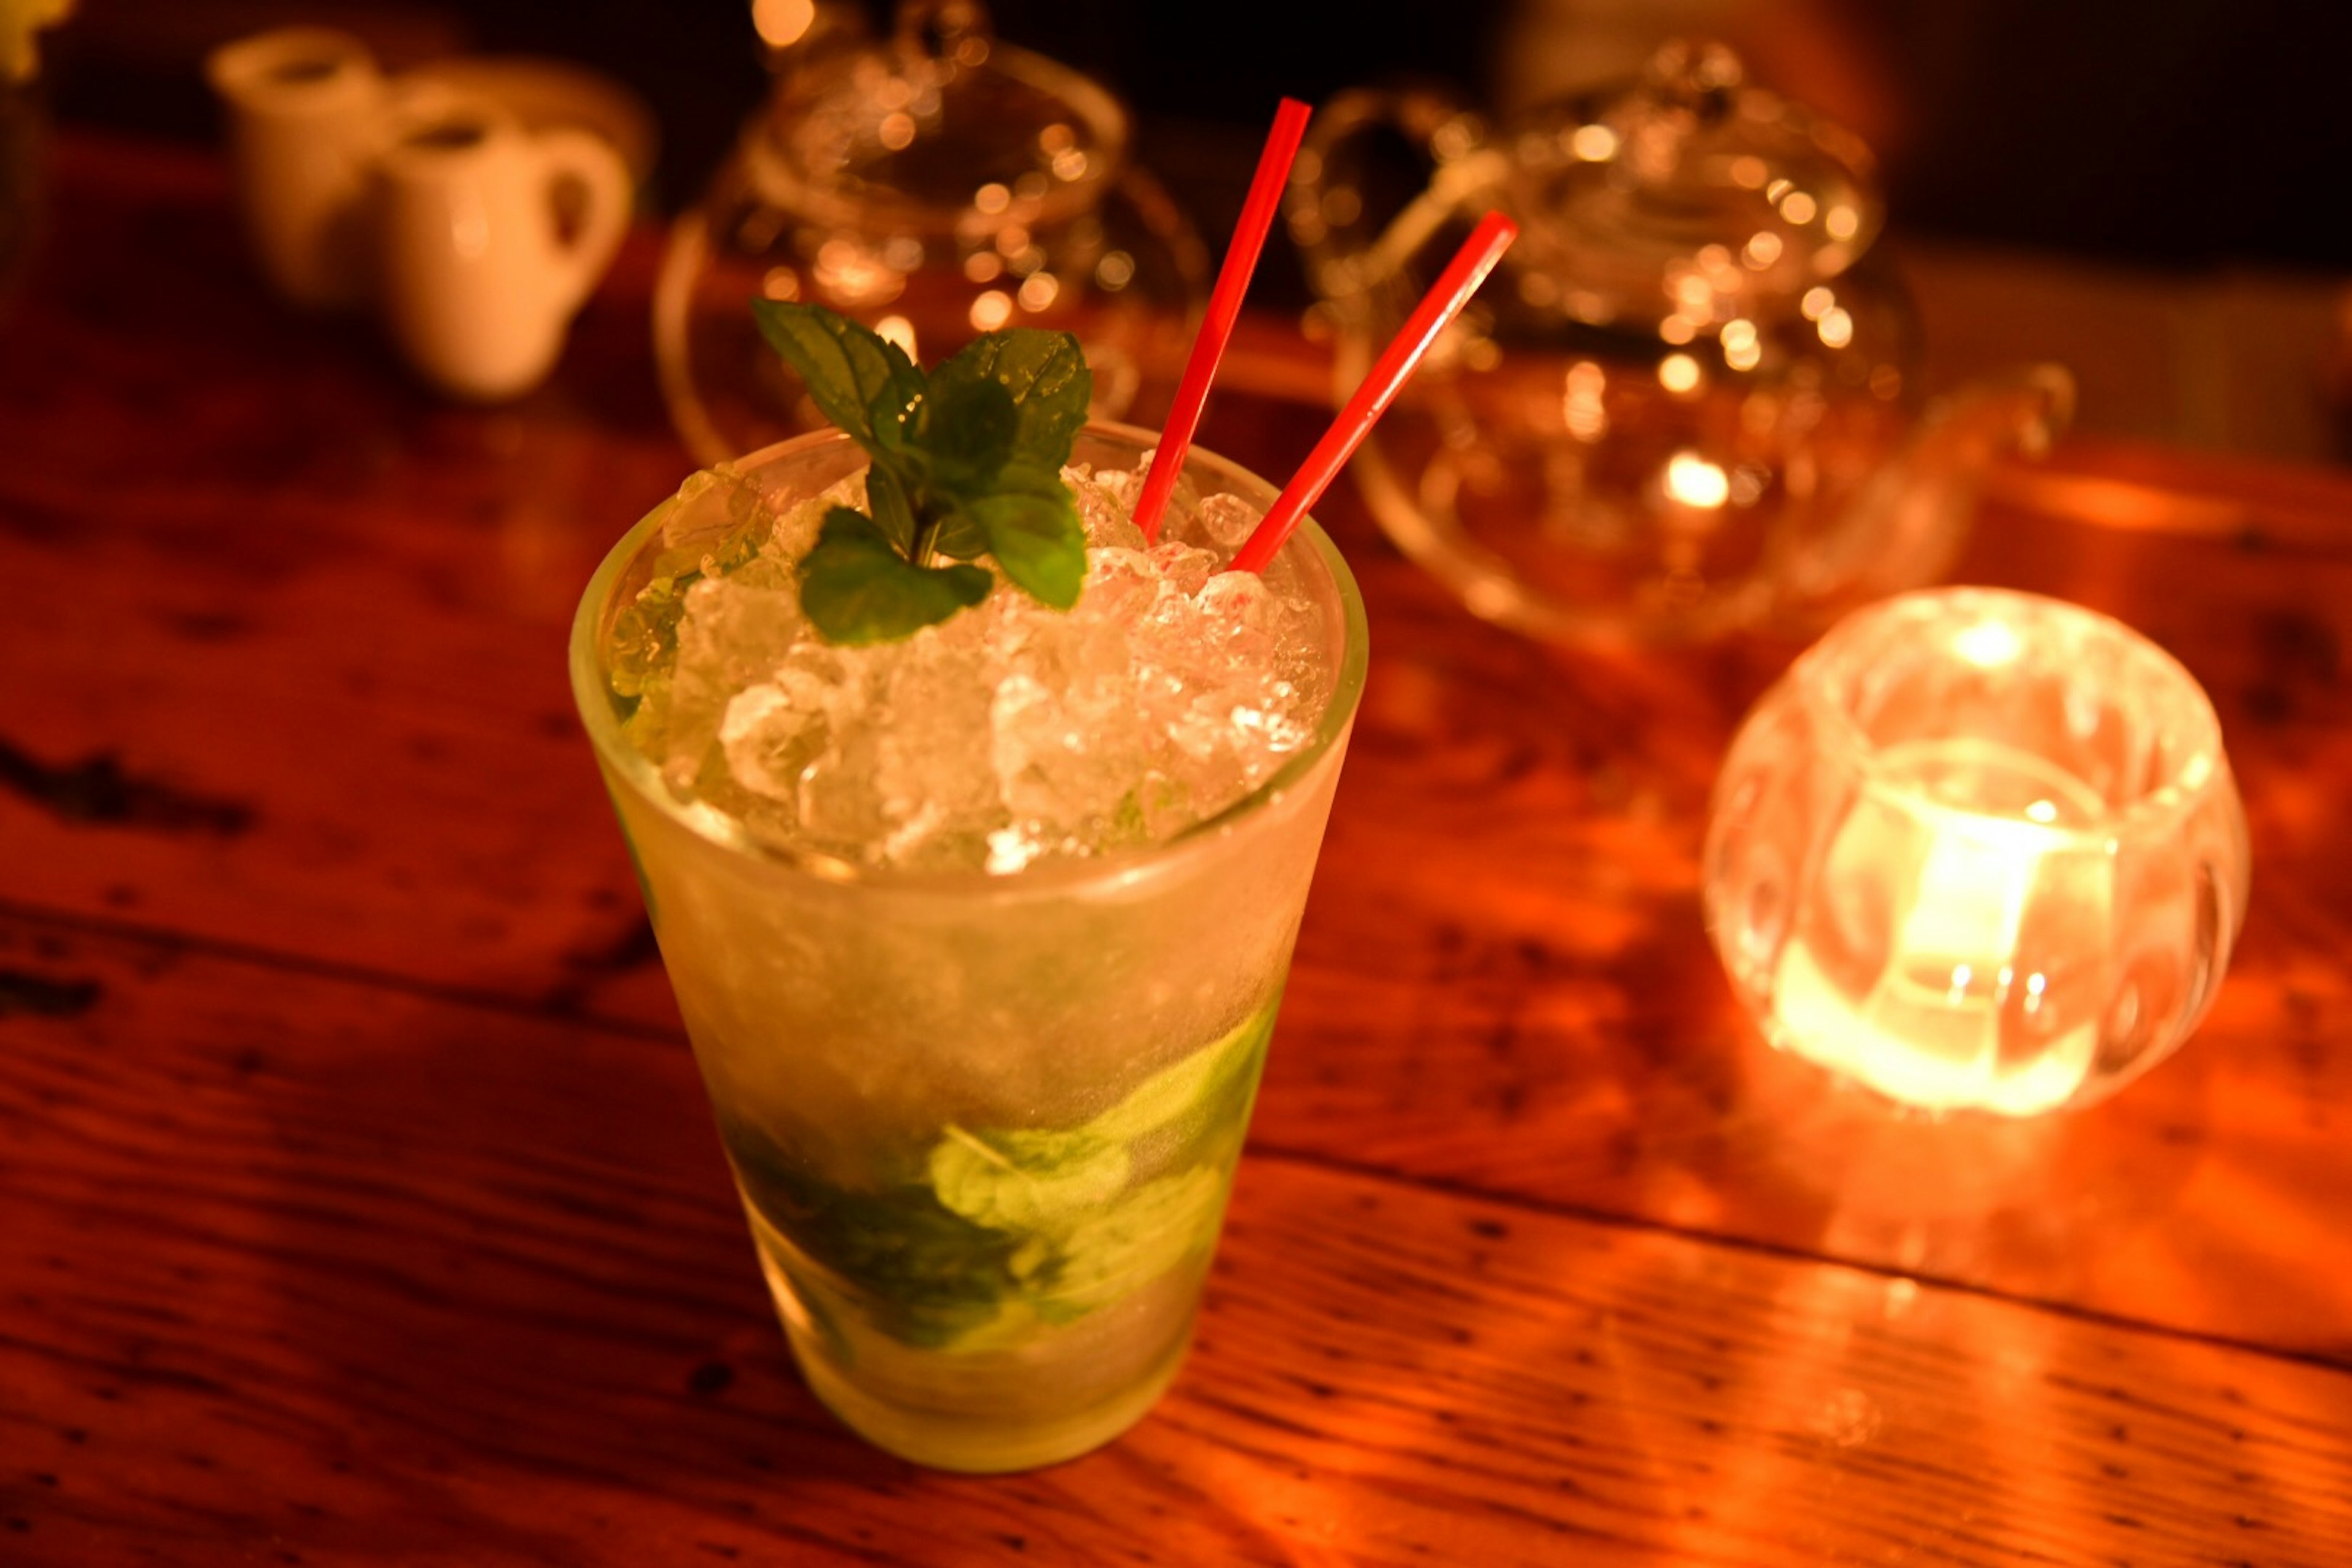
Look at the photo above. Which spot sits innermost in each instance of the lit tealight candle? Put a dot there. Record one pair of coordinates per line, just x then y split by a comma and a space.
1978, 850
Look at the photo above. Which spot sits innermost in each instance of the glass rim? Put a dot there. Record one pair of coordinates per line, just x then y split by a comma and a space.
593, 699
2172, 798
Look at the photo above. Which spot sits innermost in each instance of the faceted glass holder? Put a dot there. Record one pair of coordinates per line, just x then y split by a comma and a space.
1978, 850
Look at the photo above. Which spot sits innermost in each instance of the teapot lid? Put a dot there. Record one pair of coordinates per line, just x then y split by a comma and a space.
941, 129
1693, 191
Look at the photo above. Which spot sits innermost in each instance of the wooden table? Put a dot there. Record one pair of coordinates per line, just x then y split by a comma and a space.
358, 1202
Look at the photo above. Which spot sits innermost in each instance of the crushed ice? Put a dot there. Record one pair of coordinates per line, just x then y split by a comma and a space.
1011, 732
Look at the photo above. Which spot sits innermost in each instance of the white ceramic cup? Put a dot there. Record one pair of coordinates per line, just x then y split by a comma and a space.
479, 273
306, 107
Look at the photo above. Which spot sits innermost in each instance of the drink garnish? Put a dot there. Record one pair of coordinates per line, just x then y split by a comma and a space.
998, 1229
967, 461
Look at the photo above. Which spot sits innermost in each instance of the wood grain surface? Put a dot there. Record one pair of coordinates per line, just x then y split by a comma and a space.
336, 1270
1504, 982
357, 1200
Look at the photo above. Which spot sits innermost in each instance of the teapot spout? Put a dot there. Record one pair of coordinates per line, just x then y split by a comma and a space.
1906, 525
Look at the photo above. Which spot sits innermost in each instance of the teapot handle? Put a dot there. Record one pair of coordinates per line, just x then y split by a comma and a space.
1347, 248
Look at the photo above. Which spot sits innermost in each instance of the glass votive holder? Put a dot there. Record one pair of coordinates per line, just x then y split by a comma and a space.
1978, 850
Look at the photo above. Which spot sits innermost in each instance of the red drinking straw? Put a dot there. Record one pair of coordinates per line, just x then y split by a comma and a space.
1388, 372
1224, 305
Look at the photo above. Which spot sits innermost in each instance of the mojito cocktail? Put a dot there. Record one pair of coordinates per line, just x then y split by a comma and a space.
978, 934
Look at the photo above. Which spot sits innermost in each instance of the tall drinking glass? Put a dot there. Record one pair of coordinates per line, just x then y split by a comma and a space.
983, 1125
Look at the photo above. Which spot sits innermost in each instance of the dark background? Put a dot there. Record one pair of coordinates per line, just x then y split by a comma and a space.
2173, 132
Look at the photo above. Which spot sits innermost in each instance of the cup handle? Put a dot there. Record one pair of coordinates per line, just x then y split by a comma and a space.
1336, 234
607, 192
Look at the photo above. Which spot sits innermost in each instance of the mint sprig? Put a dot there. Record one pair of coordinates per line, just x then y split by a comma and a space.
855, 578
967, 461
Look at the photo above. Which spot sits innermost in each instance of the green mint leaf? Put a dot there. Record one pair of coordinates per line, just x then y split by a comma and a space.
858, 588
894, 513
960, 539
922, 1274
1041, 1184
992, 1235
964, 435
892, 412
967, 430
1218, 1079
1032, 528
1134, 1241
966, 462
1046, 374
861, 382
